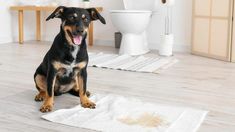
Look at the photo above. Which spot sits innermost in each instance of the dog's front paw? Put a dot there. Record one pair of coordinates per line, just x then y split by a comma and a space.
88, 104
88, 94
39, 97
46, 108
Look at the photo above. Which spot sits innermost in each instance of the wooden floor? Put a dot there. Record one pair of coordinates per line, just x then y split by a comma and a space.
193, 82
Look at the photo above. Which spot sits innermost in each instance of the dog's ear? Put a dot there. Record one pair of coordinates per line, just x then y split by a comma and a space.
95, 15
57, 13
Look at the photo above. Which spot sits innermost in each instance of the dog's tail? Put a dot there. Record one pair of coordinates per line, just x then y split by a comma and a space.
75, 93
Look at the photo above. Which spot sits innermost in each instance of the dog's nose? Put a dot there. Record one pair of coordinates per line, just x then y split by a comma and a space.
80, 30
75, 33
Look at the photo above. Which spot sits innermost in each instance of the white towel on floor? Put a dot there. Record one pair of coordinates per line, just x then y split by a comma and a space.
154, 64
120, 114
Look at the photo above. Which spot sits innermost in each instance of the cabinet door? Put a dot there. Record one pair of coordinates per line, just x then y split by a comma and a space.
221, 28
201, 35
220, 8
219, 38
202, 7
212, 22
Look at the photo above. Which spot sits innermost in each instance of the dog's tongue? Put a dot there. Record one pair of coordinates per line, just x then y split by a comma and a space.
77, 40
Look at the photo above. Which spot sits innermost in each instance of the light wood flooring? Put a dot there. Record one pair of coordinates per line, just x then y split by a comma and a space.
194, 81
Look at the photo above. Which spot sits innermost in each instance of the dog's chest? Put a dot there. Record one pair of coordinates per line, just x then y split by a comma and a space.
70, 63
66, 78
68, 71
71, 56
74, 52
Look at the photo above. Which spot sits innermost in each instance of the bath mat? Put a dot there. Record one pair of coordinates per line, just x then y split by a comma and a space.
115, 113
131, 63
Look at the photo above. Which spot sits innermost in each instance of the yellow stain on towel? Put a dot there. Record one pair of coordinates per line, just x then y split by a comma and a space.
146, 120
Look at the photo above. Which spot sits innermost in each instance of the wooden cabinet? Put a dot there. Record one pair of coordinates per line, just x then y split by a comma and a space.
212, 29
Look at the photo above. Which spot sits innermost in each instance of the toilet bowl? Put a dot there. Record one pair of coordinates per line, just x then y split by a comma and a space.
132, 23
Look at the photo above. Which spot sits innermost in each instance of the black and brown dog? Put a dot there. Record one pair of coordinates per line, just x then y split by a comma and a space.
64, 67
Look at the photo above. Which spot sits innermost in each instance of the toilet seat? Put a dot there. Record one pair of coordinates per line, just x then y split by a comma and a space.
132, 22
130, 11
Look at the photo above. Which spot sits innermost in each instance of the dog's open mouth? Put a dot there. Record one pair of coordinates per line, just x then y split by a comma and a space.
76, 39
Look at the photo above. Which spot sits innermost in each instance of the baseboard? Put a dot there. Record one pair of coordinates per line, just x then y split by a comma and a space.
182, 48
27, 37
4, 40
100, 42
153, 46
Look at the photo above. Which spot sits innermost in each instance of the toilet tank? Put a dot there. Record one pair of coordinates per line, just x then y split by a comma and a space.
139, 4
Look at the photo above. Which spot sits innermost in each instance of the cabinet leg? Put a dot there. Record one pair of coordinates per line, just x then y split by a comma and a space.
91, 34
38, 25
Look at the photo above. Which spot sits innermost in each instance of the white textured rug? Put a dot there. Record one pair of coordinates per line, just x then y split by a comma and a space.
131, 63
120, 114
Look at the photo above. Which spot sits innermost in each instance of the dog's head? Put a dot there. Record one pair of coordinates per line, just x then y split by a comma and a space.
75, 22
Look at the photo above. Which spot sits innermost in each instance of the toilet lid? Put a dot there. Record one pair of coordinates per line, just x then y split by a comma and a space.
130, 11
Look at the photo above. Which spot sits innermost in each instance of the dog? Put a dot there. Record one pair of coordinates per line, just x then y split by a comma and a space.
64, 67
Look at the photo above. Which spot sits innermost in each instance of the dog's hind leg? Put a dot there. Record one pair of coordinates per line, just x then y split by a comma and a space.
41, 85
49, 99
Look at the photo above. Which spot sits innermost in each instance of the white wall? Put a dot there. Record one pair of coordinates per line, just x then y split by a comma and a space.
5, 22
104, 33
182, 15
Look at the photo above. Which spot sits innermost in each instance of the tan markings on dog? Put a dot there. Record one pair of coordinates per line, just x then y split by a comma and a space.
67, 36
93, 14
61, 72
146, 120
40, 96
85, 102
86, 29
77, 84
76, 88
75, 15
65, 88
48, 104
58, 65
49, 100
41, 82
81, 65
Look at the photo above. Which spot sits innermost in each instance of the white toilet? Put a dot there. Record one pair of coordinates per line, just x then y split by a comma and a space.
132, 23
